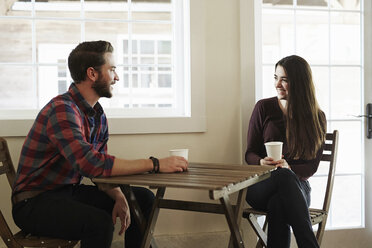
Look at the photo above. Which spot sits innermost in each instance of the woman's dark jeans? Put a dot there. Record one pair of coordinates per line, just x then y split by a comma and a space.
286, 200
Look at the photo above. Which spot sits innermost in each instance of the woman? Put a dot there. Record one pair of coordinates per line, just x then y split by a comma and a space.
294, 118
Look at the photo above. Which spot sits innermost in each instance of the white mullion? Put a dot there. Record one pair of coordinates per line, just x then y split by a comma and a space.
329, 62
82, 20
130, 54
174, 78
362, 186
295, 25
156, 61
35, 83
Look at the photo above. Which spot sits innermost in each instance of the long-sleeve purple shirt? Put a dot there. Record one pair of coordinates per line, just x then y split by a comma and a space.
67, 141
268, 123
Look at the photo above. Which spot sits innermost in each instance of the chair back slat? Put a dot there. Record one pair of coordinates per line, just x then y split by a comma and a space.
326, 157
331, 145
328, 147
6, 164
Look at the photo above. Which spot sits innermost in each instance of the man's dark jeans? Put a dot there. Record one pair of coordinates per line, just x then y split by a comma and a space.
78, 212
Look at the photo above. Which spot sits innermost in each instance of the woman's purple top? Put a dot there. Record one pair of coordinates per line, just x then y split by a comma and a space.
268, 124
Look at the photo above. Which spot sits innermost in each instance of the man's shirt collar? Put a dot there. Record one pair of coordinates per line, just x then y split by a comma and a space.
83, 104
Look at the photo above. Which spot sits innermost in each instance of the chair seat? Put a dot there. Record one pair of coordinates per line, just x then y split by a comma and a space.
29, 240
250, 210
317, 215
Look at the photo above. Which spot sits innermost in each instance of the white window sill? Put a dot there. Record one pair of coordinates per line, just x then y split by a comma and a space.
122, 125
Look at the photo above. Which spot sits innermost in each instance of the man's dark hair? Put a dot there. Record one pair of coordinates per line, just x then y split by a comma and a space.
87, 54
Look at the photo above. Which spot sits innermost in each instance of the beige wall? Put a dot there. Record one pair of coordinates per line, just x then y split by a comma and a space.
215, 39
215, 48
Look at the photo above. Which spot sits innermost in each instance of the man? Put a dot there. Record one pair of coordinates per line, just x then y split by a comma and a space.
68, 141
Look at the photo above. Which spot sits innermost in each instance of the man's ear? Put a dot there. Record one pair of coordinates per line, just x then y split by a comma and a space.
92, 74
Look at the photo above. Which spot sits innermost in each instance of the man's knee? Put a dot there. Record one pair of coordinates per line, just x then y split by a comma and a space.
101, 224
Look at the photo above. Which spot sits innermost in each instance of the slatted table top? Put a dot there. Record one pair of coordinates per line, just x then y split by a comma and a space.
217, 178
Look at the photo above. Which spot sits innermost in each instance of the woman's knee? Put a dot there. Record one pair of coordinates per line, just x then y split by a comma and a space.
285, 174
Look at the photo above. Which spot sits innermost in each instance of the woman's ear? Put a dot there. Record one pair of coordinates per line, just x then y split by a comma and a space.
92, 74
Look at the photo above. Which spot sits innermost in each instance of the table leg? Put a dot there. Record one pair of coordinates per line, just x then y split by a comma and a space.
152, 218
135, 209
239, 211
136, 212
232, 220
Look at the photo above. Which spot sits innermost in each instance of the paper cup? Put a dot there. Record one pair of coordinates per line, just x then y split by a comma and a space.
180, 152
274, 150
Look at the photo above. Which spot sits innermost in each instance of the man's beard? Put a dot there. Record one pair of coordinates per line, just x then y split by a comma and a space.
102, 88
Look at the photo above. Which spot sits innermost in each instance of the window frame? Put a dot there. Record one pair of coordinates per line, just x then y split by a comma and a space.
259, 94
193, 119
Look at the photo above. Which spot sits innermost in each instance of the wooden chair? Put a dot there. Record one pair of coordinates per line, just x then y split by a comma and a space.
317, 216
22, 239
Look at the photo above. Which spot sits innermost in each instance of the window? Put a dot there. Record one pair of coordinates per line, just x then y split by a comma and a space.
328, 34
151, 41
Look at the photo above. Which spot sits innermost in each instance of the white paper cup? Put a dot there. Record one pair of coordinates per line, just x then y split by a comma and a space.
179, 152
274, 150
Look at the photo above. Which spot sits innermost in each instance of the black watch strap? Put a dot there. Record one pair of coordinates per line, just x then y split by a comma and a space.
156, 165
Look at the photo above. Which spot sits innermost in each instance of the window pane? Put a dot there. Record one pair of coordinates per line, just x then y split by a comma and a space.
164, 47
126, 80
110, 31
106, 9
19, 8
49, 84
135, 80
164, 60
345, 92
312, 34
147, 47
345, 38
268, 87
312, 3
57, 8
349, 143
57, 32
164, 68
346, 202
147, 61
345, 5
277, 34
321, 79
165, 81
318, 187
16, 41
147, 80
152, 29
277, 3
18, 92
145, 10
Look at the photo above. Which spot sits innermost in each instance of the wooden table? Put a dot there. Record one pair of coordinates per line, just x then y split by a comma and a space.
220, 180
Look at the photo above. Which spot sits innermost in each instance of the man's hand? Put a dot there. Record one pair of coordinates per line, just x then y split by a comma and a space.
173, 164
121, 210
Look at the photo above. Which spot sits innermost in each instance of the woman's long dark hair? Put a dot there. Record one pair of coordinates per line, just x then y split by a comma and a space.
305, 121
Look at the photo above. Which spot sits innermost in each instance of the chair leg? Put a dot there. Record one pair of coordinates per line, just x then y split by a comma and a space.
262, 236
320, 232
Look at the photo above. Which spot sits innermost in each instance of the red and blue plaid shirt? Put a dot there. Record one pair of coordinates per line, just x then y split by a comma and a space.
67, 141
